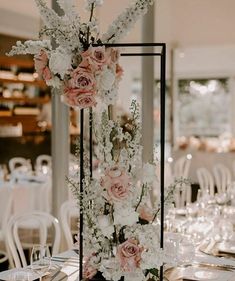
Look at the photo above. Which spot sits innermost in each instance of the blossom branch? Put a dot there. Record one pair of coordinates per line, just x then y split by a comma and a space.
141, 196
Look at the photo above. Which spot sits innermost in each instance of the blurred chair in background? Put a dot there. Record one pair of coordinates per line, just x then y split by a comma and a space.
183, 195
223, 177
69, 214
43, 164
182, 166
19, 162
206, 181
42, 222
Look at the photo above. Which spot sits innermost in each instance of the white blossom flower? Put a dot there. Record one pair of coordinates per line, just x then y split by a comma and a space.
60, 62
106, 225
125, 216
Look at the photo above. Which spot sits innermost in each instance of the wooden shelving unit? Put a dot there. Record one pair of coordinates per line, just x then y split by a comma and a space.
36, 100
17, 65
37, 83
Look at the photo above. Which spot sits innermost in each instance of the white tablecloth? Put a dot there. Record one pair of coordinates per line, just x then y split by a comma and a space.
28, 196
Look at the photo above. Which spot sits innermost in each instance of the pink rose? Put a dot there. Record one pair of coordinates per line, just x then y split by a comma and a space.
119, 71
88, 270
74, 97
40, 61
82, 79
116, 183
129, 255
145, 213
46, 74
96, 57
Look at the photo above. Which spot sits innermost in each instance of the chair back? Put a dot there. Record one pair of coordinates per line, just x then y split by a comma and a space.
206, 181
183, 195
43, 161
19, 161
68, 210
6, 201
181, 167
42, 221
223, 177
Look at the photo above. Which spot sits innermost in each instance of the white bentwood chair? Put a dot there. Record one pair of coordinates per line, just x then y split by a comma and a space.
42, 222
181, 167
16, 162
223, 177
183, 195
69, 210
6, 202
42, 160
206, 181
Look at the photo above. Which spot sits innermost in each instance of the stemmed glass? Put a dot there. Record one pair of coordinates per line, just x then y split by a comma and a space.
40, 260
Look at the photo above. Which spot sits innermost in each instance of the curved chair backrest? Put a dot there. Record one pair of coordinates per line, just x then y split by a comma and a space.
42, 160
6, 201
181, 167
206, 181
183, 195
222, 176
19, 161
42, 221
68, 210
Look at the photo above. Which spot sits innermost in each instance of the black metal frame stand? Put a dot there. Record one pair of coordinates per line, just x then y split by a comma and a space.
162, 55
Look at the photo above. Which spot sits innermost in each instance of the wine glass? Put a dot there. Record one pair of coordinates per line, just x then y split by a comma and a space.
40, 260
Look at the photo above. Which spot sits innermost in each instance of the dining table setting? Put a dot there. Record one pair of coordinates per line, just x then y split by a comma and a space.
203, 238
199, 240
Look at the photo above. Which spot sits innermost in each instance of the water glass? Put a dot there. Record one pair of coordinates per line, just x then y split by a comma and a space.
40, 260
186, 250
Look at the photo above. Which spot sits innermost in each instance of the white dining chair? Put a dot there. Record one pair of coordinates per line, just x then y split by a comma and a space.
206, 181
42, 222
183, 195
223, 177
181, 167
42, 160
6, 202
68, 210
19, 162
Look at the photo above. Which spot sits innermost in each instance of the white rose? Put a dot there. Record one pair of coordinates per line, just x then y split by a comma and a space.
107, 79
125, 216
105, 225
60, 62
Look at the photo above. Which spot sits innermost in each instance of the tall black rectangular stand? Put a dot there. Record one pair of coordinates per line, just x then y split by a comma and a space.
162, 55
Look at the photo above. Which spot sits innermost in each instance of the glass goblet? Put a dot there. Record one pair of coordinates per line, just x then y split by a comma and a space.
40, 260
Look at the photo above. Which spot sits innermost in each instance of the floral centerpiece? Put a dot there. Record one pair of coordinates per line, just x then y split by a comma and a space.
78, 63
121, 229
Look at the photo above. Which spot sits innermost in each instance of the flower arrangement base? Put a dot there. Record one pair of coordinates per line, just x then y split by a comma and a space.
99, 277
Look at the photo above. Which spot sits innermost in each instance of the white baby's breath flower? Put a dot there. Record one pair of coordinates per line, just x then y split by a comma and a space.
125, 216
60, 62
